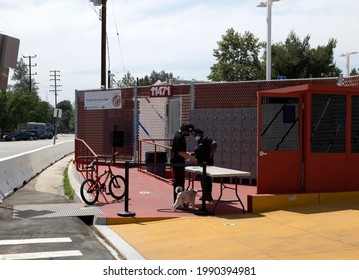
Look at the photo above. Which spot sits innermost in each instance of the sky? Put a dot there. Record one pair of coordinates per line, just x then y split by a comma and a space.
177, 36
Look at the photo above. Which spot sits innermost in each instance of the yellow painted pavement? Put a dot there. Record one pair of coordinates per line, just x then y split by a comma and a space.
327, 231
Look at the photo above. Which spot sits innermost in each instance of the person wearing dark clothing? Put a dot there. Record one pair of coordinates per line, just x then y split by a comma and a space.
179, 156
204, 152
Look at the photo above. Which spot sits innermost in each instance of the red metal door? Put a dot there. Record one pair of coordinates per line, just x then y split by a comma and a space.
280, 120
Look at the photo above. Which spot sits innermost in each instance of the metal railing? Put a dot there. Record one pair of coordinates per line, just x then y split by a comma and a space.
155, 147
84, 155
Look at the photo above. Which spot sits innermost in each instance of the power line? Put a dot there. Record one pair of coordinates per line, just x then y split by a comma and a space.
118, 38
30, 67
56, 76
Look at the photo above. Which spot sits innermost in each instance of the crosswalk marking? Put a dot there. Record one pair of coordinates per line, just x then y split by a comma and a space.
38, 255
34, 241
41, 255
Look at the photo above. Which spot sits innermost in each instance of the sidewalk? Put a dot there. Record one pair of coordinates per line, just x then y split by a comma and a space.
323, 231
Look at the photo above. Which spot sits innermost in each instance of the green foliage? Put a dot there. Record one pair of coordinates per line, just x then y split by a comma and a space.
295, 59
237, 58
69, 192
22, 78
27, 107
354, 72
66, 122
19, 105
126, 81
155, 77
4, 108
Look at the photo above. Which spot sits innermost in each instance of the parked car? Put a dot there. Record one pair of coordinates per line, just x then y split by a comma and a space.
21, 135
38, 136
47, 135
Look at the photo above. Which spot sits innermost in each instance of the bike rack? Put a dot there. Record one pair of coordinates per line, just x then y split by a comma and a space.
82, 161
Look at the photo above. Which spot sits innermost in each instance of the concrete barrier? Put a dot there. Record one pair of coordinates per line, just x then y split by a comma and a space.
18, 170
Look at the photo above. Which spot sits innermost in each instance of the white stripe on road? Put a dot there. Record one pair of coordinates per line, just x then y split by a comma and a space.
40, 255
34, 241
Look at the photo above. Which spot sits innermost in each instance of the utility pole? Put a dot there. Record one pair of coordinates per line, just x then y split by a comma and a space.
103, 16
103, 44
30, 73
347, 55
55, 74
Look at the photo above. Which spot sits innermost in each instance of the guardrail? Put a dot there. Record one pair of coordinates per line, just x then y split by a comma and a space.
84, 155
16, 171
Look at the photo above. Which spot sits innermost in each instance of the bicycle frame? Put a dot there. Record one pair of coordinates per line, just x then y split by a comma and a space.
108, 173
104, 184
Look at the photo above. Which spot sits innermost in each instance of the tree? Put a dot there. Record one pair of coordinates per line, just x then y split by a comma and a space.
295, 59
155, 77
127, 81
65, 123
19, 105
24, 108
354, 72
237, 58
4, 108
22, 78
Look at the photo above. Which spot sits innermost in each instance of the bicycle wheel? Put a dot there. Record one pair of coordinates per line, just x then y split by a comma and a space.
89, 192
117, 187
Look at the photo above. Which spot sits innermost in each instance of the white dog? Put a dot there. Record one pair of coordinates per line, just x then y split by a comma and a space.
184, 198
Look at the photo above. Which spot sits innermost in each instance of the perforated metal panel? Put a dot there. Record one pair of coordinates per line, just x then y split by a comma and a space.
355, 125
328, 123
279, 130
55, 210
153, 118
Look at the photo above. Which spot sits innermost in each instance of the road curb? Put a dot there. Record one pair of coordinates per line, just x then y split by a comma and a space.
124, 249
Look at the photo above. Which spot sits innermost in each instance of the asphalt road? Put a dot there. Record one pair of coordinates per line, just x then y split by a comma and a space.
31, 236
10, 148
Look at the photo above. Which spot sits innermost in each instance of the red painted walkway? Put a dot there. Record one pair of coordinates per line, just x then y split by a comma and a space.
321, 231
150, 197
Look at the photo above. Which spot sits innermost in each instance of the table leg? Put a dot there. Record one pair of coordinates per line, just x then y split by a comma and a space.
189, 180
203, 211
222, 187
244, 211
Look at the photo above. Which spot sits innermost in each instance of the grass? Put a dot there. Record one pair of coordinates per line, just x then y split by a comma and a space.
69, 192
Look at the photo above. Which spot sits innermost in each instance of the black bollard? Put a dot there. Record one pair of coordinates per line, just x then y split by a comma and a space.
126, 213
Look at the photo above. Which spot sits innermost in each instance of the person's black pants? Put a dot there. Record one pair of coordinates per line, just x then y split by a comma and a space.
179, 180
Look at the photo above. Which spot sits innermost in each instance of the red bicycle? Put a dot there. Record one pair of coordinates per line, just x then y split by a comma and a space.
91, 188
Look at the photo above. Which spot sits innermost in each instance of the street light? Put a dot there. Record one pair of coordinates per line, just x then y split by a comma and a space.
268, 4
347, 55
